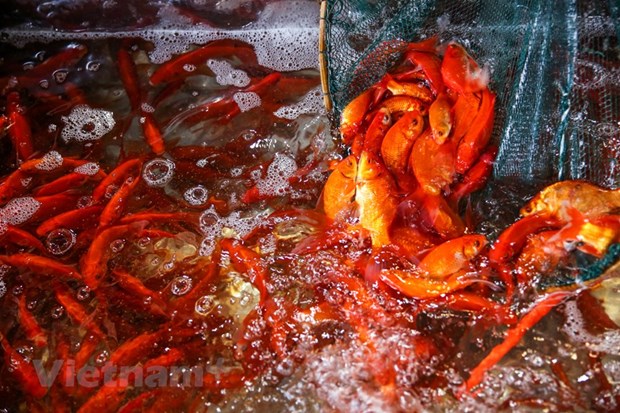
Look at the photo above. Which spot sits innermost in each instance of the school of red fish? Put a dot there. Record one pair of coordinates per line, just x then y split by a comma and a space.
391, 233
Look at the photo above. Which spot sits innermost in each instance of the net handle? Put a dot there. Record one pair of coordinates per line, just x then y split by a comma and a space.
323, 57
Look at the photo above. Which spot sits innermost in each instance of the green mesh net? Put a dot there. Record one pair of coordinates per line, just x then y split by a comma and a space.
555, 67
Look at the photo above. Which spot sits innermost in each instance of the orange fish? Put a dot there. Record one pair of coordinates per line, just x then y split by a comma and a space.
399, 140
477, 136
339, 190
415, 90
460, 71
452, 256
440, 118
557, 200
430, 65
353, 115
380, 124
375, 197
432, 164
397, 104
415, 285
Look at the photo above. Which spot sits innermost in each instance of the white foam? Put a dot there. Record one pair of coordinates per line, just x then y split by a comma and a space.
50, 161
247, 100
276, 182
574, 326
285, 37
90, 169
3, 270
312, 103
226, 75
145, 107
158, 172
86, 124
196, 195
213, 226
19, 210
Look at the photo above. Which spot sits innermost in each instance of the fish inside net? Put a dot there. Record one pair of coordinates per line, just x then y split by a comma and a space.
555, 66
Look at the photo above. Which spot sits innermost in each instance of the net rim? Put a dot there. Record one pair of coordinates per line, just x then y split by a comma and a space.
323, 69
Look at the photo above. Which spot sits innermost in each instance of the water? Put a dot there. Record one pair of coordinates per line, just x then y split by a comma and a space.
323, 339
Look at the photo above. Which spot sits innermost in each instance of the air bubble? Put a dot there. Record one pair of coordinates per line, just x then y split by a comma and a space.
117, 245
44, 83
147, 108
225, 74
311, 103
19, 210
49, 161
93, 66
86, 124
181, 285
83, 293
144, 242
60, 75
247, 100
196, 195
84, 201
90, 169
58, 312
205, 304
60, 241
101, 358
158, 172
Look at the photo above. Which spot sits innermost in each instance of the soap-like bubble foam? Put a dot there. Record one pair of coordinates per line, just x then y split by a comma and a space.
312, 103
226, 75
90, 169
196, 195
212, 225
574, 327
86, 124
276, 182
285, 37
247, 100
158, 172
19, 210
49, 161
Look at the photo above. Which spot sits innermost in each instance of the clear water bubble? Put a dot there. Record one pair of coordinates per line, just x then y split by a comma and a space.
117, 245
158, 172
93, 66
144, 242
83, 293
196, 195
58, 312
181, 285
205, 304
101, 358
84, 201
18, 289
60, 75
60, 241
